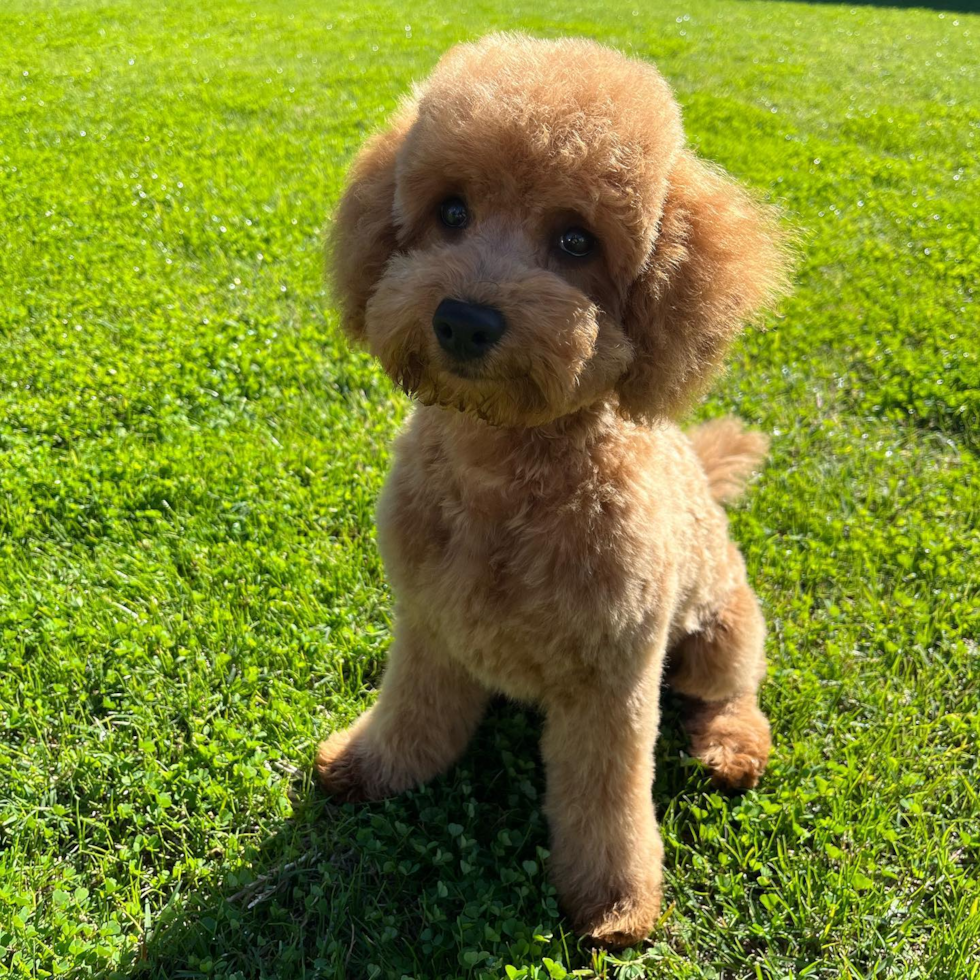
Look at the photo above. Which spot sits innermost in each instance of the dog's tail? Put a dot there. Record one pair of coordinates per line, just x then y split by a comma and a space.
729, 453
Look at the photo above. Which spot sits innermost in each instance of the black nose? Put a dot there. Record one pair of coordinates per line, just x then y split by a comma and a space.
466, 330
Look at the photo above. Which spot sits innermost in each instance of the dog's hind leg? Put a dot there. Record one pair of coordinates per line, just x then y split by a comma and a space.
426, 712
719, 670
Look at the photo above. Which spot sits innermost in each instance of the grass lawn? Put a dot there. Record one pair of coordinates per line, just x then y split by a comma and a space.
190, 592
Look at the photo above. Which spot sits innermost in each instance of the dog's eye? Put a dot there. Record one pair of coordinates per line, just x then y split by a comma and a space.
453, 212
577, 242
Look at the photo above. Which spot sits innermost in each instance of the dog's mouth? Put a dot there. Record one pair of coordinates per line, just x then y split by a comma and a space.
466, 371
472, 388
417, 373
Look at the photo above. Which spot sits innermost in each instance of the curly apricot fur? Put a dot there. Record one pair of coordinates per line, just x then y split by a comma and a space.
548, 530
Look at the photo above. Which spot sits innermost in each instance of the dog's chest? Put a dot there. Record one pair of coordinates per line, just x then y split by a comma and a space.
523, 577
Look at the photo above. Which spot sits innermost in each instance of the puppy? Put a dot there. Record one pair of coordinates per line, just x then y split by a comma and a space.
534, 255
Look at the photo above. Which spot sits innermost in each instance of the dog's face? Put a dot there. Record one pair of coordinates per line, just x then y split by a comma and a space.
519, 243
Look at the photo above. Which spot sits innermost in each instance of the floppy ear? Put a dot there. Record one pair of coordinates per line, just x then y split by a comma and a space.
716, 261
362, 238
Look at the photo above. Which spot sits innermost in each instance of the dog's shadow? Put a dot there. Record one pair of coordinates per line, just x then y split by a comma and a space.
447, 881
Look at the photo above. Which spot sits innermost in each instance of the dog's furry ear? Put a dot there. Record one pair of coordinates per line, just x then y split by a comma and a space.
363, 235
716, 261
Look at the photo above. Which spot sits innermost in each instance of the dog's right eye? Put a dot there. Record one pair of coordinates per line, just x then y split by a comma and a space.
576, 242
453, 212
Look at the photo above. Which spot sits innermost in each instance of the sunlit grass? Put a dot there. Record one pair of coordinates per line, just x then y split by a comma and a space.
190, 594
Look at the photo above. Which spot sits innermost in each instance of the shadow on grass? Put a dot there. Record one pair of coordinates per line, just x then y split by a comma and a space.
443, 882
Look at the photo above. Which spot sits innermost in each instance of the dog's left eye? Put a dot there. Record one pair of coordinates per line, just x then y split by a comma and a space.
577, 242
453, 212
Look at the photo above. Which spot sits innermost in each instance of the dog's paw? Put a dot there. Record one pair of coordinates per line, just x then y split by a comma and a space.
340, 769
733, 766
622, 923
734, 748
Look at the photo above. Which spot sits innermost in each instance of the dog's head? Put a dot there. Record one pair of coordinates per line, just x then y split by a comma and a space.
531, 235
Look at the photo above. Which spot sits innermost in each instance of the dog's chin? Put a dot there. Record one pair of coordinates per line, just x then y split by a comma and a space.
470, 390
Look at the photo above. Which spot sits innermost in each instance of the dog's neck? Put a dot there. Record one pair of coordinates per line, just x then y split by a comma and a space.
521, 456
575, 429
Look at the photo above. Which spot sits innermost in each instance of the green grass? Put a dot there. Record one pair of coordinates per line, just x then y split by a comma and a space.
190, 593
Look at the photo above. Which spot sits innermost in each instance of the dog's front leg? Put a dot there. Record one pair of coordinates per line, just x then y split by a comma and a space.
606, 850
426, 712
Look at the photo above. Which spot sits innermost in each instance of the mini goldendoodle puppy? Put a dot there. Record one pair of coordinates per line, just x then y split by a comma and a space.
534, 255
